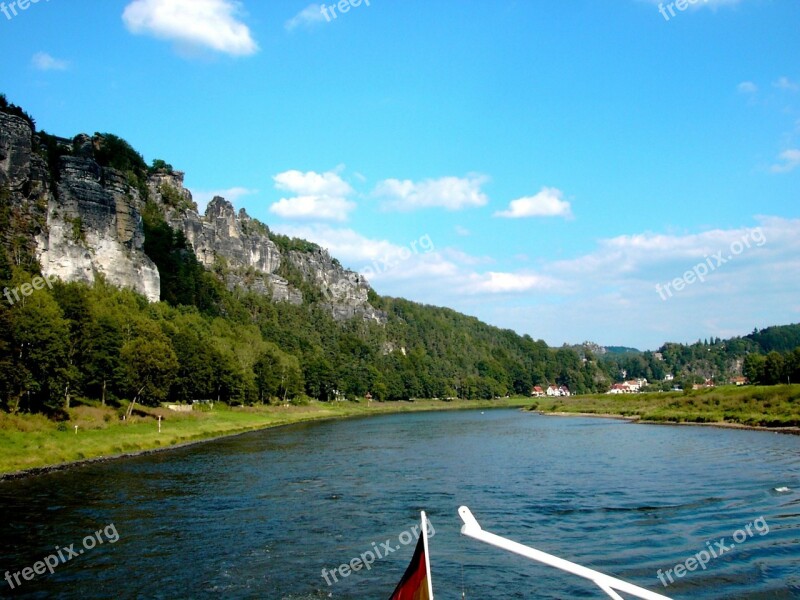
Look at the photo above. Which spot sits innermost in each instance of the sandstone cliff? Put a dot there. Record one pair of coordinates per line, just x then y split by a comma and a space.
93, 224
87, 222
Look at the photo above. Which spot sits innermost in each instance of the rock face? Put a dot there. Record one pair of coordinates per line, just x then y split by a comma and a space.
91, 225
346, 291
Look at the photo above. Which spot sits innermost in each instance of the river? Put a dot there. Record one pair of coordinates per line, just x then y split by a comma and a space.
261, 515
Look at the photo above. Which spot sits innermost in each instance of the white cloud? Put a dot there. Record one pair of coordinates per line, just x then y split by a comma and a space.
510, 283
328, 183
608, 294
212, 24
790, 161
462, 231
549, 202
308, 17
232, 195
44, 62
378, 260
451, 193
316, 196
747, 87
313, 208
784, 83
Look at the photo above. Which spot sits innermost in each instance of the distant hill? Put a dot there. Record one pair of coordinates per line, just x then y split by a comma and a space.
147, 298
622, 350
781, 338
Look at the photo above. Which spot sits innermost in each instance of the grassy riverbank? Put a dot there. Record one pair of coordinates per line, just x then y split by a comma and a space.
753, 406
31, 441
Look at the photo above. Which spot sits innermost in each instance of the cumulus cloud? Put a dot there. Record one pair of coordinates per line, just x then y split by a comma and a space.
45, 62
549, 202
211, 24
379, 260
790, 160
784, 83
315, 196
451, 193
608, 294
747, 87
308, 17
505, 283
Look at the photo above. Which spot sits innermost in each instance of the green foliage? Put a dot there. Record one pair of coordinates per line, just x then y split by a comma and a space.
255, 227
112, 151
174, 199
287, 244
205, 342
13, 109
52, 149
160, 166
150, 365
183, 279
40, 335
775, 406
278, 375
781, 339
77, 232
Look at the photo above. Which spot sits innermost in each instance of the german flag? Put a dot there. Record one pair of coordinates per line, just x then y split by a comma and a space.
416, 583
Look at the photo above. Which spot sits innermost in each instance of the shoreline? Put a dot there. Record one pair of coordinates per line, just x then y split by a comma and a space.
381, 409
353, 412
638, 420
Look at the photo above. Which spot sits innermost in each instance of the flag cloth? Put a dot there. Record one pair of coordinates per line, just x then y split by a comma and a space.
416, 583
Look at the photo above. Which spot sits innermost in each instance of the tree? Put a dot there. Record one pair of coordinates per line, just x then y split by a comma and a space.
102, 357
9, 384
773, 368
150, 366
41, 336
753, 367
267, 371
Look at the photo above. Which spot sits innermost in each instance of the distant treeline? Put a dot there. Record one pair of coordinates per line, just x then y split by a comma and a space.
68, 342
768, 356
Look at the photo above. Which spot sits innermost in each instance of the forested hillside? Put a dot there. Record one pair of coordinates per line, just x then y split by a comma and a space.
210, 339
239, 335
768, 356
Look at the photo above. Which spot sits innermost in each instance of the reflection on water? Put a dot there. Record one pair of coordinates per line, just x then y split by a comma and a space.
260, 515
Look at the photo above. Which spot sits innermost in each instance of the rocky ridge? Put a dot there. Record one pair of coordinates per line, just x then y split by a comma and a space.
90, 225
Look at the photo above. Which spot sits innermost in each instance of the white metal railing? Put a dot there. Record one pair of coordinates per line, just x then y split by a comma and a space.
610, 585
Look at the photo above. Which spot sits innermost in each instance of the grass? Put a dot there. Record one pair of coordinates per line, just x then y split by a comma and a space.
753, 406
32, 441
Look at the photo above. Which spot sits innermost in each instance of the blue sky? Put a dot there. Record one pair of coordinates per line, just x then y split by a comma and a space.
543, 165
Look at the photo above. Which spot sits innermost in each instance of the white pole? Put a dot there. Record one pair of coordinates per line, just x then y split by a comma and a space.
427, 556
608, 584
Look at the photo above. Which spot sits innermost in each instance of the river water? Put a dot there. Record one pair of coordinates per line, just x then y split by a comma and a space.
261, 515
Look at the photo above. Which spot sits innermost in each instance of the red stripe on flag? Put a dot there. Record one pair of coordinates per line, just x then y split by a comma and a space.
414, 584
